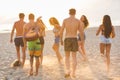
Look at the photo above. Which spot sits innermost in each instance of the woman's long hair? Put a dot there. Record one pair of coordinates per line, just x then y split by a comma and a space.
41, 23
53, 21
86, 23
107, 26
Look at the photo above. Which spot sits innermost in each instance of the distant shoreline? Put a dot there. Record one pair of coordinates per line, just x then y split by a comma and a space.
9, 30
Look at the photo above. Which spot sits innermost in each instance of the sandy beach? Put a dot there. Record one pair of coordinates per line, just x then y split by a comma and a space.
93, 69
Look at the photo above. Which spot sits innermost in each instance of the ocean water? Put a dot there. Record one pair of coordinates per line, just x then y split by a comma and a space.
4, 28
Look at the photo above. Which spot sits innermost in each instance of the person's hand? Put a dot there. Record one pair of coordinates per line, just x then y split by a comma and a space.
96, 34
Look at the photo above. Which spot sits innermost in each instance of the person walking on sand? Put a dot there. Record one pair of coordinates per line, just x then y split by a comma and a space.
42, 35
33, 46
54, 22
107, 33
71, 25
84, 23
18, 26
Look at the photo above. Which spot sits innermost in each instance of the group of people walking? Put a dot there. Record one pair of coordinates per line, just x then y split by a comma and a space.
74, 40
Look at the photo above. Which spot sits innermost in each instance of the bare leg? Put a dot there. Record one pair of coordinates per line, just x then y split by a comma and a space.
59, 56
23, 56
67, 63
74, 64
37, 65
18, 53
41, 56
82, 50
31, 65
102, 48
56, 49
108, 47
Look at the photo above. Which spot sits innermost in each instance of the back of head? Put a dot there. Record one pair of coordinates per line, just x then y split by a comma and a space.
72, 11
31, 16
21, 15
53, 21
107, 25
85, 21
40, 23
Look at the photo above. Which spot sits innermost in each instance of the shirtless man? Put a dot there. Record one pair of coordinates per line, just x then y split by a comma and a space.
72, 26
34, 47
18, 26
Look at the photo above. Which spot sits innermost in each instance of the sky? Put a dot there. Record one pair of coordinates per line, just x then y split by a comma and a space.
93, 9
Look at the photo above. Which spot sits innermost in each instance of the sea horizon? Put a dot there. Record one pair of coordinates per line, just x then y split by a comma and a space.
5, 28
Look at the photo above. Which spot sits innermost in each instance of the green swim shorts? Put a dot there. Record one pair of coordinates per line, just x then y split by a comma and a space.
34, 45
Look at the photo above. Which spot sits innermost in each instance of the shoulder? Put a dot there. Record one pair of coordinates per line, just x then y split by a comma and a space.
24, 22
16, 22
101, 26
113, 28
81, 22
26, 25
77, 19
66, 19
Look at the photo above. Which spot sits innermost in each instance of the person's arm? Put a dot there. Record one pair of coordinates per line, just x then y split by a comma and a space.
12, 33
98, 31
81, 31
61, 32
24, 32
113, 32
43, 33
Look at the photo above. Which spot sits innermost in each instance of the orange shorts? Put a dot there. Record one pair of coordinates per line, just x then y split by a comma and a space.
35, 53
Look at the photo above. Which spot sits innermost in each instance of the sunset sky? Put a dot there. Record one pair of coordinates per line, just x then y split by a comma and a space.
93, 9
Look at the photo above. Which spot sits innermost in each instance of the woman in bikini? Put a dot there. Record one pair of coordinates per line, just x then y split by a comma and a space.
54, 22
84, 23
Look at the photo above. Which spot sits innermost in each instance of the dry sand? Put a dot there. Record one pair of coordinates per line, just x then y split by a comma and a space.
94, 69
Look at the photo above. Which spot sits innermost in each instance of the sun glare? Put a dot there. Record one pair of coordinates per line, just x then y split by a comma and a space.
56, 8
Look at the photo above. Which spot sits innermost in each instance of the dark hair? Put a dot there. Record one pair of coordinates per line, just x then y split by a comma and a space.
72, 11
86, 23
31, 16
21, 15
107, 25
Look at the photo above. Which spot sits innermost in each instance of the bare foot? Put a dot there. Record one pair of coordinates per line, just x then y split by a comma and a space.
102, 55
84, 59
60, 61
36, 73
72, 76
31, 72
67, 75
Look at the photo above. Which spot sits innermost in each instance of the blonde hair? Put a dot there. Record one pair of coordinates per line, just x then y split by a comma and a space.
41, 23
53, 21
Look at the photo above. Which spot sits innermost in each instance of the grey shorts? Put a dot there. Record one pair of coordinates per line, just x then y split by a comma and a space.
71, 44
19, 41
